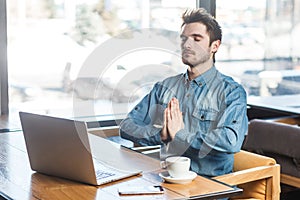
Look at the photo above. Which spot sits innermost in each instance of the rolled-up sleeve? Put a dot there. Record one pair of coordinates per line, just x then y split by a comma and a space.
144, 122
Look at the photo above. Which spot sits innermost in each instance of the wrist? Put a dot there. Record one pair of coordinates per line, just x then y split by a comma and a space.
166, 140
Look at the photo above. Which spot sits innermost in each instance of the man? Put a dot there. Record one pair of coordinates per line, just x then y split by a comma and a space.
200, 114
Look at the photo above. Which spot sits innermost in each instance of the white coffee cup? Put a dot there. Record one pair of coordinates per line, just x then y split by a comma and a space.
177, 166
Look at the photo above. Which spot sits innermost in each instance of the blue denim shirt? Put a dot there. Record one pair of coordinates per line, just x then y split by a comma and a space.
215, 116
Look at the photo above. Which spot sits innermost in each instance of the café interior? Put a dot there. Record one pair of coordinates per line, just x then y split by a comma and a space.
93, 60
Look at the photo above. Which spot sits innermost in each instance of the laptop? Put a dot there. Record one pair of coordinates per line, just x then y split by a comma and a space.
61, 147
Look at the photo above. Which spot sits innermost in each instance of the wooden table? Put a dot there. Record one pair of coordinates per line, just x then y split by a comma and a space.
18, 181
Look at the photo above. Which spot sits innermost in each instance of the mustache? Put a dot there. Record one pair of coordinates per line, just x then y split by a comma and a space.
188, 52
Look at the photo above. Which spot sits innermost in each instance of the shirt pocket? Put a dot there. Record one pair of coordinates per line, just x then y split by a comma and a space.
205, 118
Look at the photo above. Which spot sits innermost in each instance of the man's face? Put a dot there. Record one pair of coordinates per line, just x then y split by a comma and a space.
195, 44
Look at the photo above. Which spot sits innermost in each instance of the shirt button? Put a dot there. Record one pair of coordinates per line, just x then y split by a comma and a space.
202, 117
188, 95
200, 84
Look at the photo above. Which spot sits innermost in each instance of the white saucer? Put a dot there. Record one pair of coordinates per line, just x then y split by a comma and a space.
189, 178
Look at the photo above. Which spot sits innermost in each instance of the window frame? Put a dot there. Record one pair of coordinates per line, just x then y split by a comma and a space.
3, 60
209, 5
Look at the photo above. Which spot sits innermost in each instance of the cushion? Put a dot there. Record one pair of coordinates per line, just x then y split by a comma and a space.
276, 140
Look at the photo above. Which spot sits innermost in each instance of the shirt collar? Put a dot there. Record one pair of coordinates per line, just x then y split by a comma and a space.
203, 78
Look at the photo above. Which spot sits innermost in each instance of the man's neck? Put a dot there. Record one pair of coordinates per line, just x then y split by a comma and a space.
196, 71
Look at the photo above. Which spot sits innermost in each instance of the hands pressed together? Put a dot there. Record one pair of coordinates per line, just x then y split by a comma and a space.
173, 121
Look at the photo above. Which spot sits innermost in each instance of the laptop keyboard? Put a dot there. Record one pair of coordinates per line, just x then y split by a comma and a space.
103, 174
103, 171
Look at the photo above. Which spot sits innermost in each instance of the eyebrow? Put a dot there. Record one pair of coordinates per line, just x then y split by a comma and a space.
197, 35
193, 35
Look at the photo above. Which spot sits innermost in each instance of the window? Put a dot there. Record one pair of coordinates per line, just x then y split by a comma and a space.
51, 44
260, 47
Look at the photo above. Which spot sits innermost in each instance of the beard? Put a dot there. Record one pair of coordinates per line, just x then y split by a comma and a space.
191, 59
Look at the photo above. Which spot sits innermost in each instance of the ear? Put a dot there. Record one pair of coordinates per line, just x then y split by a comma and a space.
215, 46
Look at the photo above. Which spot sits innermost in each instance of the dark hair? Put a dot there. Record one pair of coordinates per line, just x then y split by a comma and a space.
202, 16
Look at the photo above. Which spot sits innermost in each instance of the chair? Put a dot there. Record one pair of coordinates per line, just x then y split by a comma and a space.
257, 175
279, 141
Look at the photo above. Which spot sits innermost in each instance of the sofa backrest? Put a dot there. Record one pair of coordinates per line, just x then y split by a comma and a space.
277, 140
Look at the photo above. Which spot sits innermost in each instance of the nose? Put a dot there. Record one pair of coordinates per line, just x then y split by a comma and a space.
186, 44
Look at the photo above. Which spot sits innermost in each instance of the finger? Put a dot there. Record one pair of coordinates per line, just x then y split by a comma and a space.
165, 116
173, 109
169, 115
169, 104
177, 104
164, 132
176, 110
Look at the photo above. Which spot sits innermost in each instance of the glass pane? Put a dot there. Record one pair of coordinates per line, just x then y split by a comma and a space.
260, 47
90, 57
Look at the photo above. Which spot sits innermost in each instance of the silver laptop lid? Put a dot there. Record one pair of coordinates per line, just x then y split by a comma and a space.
58, 147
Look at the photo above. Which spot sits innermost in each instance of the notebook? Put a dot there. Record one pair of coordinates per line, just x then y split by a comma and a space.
61, 147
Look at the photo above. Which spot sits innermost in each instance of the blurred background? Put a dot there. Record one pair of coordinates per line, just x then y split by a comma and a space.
49, 41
